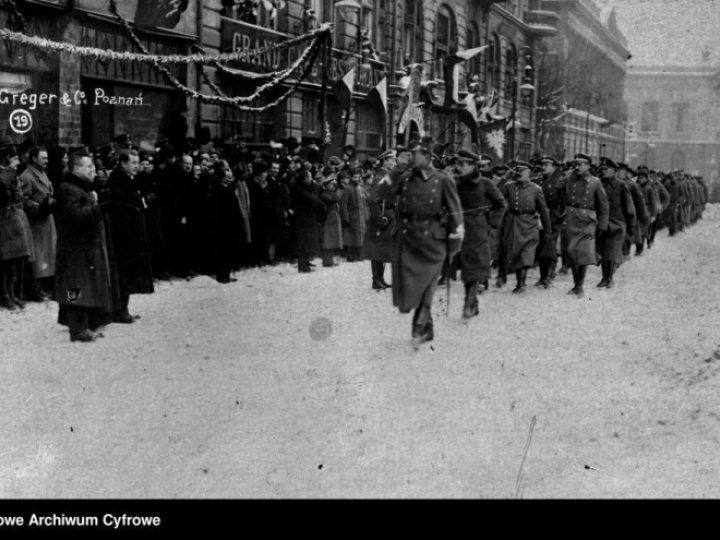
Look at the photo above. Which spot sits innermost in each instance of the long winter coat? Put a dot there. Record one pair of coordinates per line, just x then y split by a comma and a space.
15, 233
621, 220
483, 208
37, 193
265, 209
430, 210
304, 222
332, 237
379, 244
642, 214
353, 215
82, 272
552, 186
652, 204
226, 224
586, 212
125, 210
521, 230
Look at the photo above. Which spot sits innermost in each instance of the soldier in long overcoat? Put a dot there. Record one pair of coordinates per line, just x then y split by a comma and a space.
652, 203
83, 284
332, 237
353, 217
622, 220
664, 199
129, 238
483, 208
521, 232
379, 243
586, 216
430, 226
642, 215
551, 183
671, 216
16, 241
39, 203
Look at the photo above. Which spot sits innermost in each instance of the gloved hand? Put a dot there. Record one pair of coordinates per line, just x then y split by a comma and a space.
459, 233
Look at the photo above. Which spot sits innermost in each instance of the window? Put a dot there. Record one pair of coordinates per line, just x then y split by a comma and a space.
369, 128
649, 120
446, 38
510, 65
473, 40
412, 32
311, 115
680, 117
251, 127
494, 63
371, 21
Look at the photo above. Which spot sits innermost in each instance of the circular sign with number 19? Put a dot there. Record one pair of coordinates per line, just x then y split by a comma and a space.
21, 121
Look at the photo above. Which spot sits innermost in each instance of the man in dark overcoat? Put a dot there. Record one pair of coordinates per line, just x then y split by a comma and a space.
652, 203
671, 216
622, 220
586, 216
642, 215
521, 233
82, 271
550, 181
431, 224
306, 205
379, 246
664, 198
483, 207
124, 207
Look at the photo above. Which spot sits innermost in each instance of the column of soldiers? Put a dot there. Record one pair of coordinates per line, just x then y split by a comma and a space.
460, 211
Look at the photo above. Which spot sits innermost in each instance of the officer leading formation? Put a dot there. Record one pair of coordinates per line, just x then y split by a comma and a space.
90, 229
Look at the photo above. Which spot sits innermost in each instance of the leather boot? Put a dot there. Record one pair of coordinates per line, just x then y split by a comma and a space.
471, 302
5, 300
553, 267
581, 271
575, 280
11, 288
639, 248
422, 329
610, 271
376, 283
381, 275
544, 273
604, 280
520, 275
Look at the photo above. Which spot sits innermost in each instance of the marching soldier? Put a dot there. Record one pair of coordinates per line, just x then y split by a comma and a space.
379, 235
652, 204
586, 215
622, 219
664, 199
551, 183
431, 224
483, 207
521, 234
677, 199
641, 210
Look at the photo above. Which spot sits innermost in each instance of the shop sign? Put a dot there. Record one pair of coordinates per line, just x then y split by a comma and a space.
237, 36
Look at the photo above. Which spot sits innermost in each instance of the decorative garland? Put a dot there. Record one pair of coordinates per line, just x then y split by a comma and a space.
105, 55
236, 72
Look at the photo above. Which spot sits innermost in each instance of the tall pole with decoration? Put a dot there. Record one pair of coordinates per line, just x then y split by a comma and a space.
324, 127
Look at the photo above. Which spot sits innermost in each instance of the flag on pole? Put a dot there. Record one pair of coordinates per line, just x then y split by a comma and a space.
451, 72
380, 91
493, 136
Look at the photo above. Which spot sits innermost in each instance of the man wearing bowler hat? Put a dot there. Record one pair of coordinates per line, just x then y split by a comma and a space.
586, 216
430, 228
621, 221
483, 207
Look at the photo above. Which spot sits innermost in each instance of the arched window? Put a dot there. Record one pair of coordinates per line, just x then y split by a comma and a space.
445, 38
473, 40
494, 63
412, 32
510, 65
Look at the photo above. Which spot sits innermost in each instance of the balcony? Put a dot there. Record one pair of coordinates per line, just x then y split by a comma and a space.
542, 23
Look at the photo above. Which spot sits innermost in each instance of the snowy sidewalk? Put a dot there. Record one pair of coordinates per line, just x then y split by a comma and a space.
305, 385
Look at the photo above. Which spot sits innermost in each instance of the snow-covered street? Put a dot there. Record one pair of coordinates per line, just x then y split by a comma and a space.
305, 385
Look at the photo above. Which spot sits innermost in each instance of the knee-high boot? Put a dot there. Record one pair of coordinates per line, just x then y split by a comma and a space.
11, 273
581, 271
610, 271
471, 301
5, 300
381, 275
520, 275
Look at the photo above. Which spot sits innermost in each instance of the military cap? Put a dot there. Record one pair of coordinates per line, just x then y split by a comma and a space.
607, 162
583, 157
388, 154
464, 155
500, 169
642, 171
425, 145
550, 159
486, 157
522, 164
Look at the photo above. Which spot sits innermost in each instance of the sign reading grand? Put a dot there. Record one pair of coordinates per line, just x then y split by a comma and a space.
178, 15
238, 36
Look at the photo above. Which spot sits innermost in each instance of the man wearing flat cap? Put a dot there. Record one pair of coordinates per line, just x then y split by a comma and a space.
586, 216
551, 183
521, 233
483, 207
430, 226
621, 220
